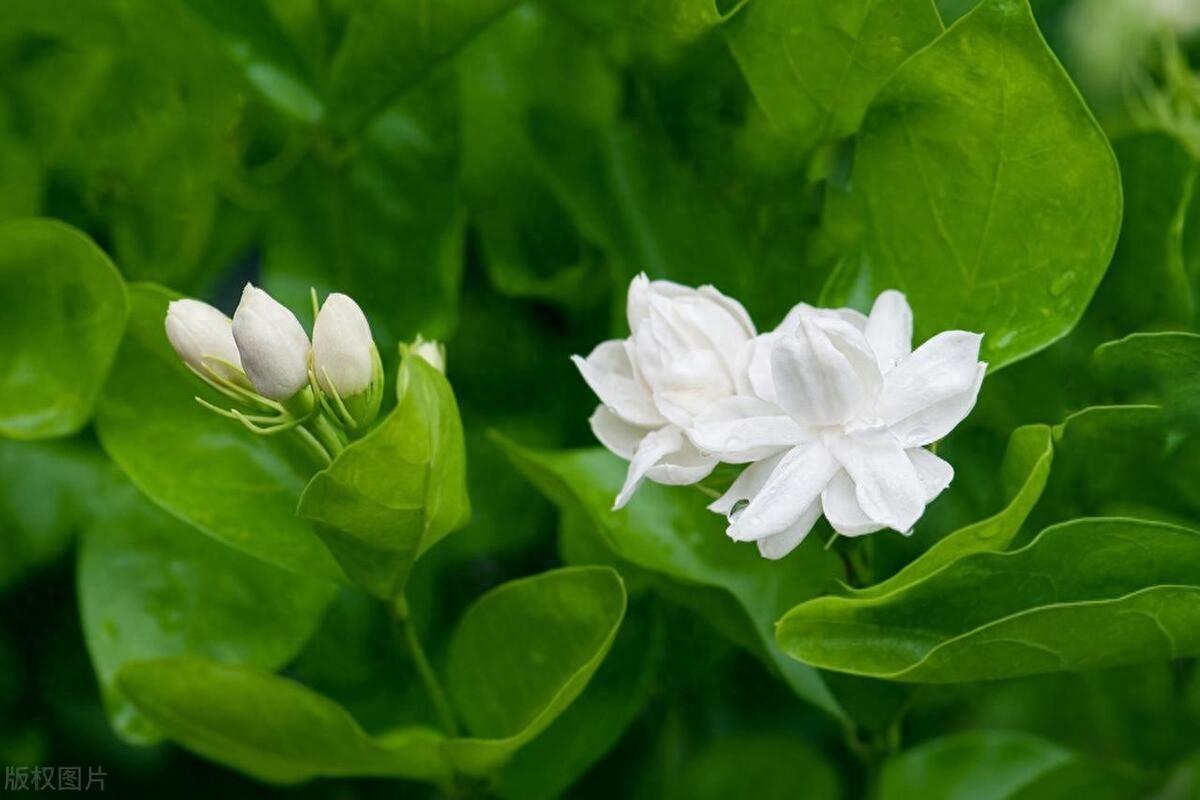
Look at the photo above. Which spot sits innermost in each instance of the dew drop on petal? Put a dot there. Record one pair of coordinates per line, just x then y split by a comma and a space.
737, 509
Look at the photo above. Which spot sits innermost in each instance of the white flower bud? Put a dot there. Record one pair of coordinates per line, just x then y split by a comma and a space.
342, 347
203, 338
433, 352
272, 343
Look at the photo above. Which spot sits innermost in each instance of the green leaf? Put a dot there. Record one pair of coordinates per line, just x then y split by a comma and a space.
61, 323
814, 66
528, 61
983, 188
767, 766
1084, 594
389, 45
147, 190
647, 210
1025, 470
523, 652
617, 694
1147, 285
48, 491
1165, 366
393, 494
551, 633
152, 587
997, 765
668, 531
255, 40
1131, 441
268, 726
347, 224
233, 485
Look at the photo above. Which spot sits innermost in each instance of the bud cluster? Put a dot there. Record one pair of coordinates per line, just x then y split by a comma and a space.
327, 391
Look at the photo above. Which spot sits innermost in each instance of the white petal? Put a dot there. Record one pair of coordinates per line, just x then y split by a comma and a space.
342, 348
889, 329
935, 473
796, 482
738, 430
748, 484
790, 322
841, 508
637, 302
610, 374
758, 367
936, 421
203, 337
736, 311
816, 380
620, 437
943, 367
652, 449
887, 486
779, 545
272, 343
685, 466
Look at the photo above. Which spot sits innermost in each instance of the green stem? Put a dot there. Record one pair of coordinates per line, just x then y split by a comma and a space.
328, 435
314, 446
433, 687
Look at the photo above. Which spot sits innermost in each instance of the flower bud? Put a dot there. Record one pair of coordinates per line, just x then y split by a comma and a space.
342, 348
272, 343
203, 338
433, 352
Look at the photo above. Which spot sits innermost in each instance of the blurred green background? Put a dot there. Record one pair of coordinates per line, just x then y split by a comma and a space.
491, 173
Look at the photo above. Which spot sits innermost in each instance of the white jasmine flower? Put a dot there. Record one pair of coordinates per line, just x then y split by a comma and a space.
687, 349
272, 343
841, 412
203, 338
343, 351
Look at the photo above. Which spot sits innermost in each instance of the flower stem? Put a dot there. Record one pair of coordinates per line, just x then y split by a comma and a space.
314, 446
329, 436
433, 687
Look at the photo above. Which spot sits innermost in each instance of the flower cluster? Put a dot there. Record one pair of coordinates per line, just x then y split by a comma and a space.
327, 391
831, 411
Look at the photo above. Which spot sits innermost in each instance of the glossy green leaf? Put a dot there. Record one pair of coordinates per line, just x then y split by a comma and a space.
48, 492
268, 726
1131, 443
552, 631
390, 45
396, 492
1025, 471
148, 191
235, 486
612, 701
523, 652
1161, 366
983, 188
1085, 594
152, 587
997, 765
668, 531
61, 324
814, 66
1147, 285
